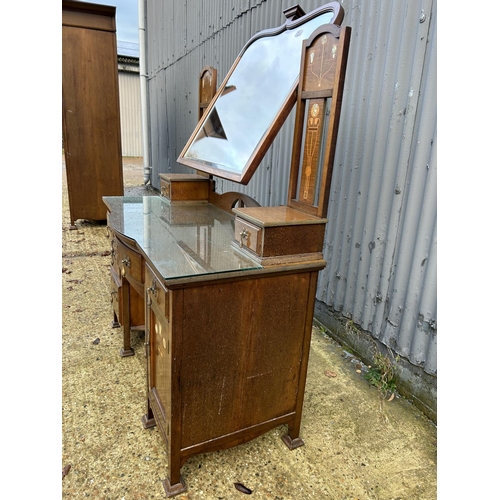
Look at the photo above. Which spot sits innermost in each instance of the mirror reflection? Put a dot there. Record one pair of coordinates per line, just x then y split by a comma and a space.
251, 100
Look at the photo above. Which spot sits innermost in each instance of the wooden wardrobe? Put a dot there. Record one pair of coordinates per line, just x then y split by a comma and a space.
91, 113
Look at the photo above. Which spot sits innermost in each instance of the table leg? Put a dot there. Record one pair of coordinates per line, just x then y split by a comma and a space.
292, 439
173, 483
115, 323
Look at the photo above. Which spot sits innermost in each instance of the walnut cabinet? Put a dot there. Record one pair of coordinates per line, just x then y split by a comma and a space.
91, 113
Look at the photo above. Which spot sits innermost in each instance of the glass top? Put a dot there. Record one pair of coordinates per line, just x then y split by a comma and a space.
239, 122
180, 240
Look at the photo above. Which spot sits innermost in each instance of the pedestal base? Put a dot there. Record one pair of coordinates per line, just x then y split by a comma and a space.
125, 353
292, 443
172, 490
147, 422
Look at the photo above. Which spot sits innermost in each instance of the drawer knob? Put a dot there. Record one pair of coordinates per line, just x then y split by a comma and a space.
152, 289
243, 236
125, 263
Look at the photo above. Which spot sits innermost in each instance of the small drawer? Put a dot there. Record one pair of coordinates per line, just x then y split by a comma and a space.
129, 263
165, 188
156, 292
248, 236
184, 187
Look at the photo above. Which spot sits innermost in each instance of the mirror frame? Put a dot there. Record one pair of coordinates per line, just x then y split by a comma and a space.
295, 17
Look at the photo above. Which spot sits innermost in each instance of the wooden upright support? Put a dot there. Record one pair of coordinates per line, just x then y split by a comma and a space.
321, 85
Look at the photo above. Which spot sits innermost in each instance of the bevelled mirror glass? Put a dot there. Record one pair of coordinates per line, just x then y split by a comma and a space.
254, 99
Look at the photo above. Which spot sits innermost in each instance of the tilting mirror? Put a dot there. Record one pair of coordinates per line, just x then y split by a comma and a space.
254, 99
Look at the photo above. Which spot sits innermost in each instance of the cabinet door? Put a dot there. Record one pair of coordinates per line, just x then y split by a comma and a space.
159, 359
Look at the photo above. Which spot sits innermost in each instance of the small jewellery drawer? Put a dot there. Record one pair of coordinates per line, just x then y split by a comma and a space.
165, 188
248, 236
156, 292
129, 263
184, 187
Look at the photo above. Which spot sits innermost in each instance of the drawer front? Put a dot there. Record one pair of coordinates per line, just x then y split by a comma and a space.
130, 264
114, 249
115, 263
157, 293
165, 188
116, 297
248, 236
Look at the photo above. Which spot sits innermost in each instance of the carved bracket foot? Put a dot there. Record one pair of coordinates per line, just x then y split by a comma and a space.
147, 422
126, 352
292, 443
115, 324
172, 490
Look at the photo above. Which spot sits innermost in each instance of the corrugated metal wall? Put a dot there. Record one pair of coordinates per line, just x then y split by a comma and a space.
381, 239
130, 113
381, 236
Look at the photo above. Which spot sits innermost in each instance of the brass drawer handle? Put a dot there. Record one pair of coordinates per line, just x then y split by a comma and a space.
125, 263
243, 236
152, 289
113, 250
165, 190
146, 342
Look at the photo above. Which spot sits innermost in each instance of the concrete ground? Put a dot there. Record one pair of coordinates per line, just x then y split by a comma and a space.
359, 443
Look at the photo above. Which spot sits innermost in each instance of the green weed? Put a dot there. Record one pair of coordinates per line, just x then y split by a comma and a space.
382, 374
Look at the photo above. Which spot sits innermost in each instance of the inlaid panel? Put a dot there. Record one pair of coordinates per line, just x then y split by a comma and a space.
321, 62
311, 153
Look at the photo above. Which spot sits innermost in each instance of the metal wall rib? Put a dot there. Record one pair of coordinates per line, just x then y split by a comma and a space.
381, 237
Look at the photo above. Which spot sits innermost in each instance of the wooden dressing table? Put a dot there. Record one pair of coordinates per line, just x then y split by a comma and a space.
229, 294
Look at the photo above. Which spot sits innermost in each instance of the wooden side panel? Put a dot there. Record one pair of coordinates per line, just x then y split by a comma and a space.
208, 88
291, 240
137, 315
242, 366
189, 191
91, 121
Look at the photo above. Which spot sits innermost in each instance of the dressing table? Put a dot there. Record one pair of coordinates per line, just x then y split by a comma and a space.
228, 287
